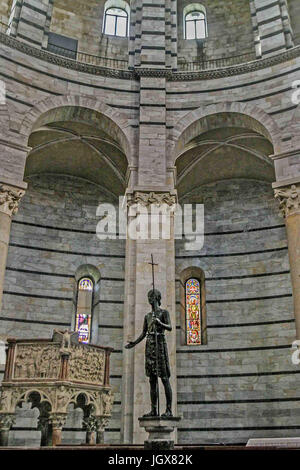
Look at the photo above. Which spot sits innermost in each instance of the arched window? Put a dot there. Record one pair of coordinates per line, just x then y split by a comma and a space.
193, 307
195, 24
193, 311
85, 317
83, 321
115, 22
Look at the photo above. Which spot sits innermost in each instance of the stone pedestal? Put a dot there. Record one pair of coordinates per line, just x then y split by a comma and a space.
160, 431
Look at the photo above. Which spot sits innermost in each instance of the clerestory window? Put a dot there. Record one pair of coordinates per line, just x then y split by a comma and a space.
115, 22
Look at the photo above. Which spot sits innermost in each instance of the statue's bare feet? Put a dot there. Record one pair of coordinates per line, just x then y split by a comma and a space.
167, 414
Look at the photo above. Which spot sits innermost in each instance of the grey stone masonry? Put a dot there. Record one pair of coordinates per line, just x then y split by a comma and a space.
153, 34
153, 47
271, 26
31, 21
152, 142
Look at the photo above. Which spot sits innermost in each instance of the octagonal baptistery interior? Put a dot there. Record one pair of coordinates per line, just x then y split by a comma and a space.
82, 124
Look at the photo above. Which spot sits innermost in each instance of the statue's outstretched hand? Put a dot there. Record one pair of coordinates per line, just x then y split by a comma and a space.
130, 345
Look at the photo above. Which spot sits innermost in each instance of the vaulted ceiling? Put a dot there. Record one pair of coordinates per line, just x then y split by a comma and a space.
77, 148
224, 153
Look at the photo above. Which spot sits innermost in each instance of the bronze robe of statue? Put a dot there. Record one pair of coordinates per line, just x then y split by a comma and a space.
162, 362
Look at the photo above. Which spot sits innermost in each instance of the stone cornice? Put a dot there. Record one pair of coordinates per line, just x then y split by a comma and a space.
14, 145
239, 69
289, 199
289, 153
63, 61
149, 72
10, 198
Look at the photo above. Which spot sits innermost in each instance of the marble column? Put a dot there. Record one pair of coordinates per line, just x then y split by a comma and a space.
101, 424
136, 389
289, 200
10, 196
90, 427
57, 421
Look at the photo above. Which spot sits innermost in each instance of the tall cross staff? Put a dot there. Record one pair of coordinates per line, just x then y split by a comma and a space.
156, 342
153, 264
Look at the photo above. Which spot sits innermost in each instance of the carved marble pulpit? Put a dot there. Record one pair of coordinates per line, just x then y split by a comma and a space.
52, 374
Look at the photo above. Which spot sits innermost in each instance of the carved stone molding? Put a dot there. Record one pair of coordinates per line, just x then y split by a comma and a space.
57, 420
289, 199
228, 71
87, 365
90, 424
9, 199
101, 423
64, 61
6, 421
107, 399
146, 199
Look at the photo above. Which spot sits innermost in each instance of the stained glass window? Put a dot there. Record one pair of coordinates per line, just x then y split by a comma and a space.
83, 319
83, 326
195, 25
86, 284
193, 311
116, 22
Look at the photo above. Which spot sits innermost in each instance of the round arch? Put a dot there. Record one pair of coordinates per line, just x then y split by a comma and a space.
39, 112
79, 137
209, 117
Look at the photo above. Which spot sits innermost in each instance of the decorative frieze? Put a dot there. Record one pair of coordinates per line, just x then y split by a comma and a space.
9, 199
34, 361
228, 71
146, 199
289, 199
57, 420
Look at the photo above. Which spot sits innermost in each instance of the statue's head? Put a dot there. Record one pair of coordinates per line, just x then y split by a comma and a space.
153, 295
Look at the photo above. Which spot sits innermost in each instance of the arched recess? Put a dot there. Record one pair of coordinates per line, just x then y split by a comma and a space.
192, 272
203, 119
223, 142
119, 122
78, 141
88, 271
